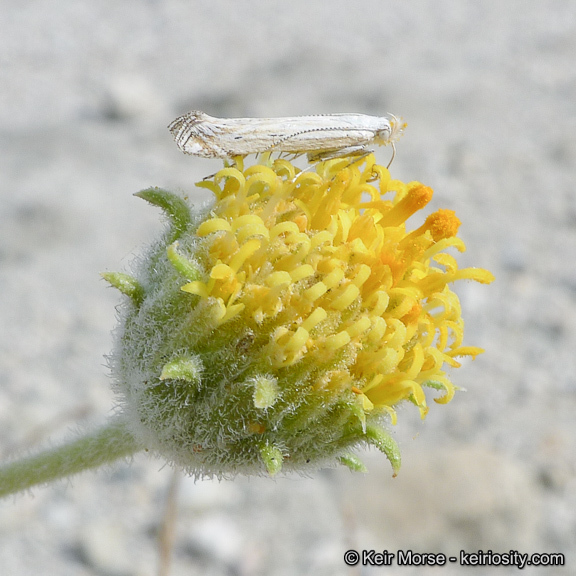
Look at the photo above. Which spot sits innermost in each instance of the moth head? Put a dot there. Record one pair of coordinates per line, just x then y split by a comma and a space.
396, 129
390, 130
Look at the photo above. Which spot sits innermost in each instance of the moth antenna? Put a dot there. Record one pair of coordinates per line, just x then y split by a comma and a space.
393, 144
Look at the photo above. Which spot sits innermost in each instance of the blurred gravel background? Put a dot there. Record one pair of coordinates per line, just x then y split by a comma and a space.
489, 91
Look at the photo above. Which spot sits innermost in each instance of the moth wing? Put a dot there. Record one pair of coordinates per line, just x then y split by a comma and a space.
325, 138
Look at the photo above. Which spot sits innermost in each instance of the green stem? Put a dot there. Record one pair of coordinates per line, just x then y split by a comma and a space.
102, 446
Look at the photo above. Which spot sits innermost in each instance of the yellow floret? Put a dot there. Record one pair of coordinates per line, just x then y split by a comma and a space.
327, 259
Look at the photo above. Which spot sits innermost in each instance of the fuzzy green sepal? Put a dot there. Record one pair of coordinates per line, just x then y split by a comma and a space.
272, 457
379, 438
173, 206
127, 284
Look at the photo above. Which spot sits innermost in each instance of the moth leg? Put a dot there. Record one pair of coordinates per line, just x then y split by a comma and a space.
235, 160
290, 156
339, 153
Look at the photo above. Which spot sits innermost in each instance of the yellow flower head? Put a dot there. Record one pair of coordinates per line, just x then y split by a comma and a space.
306, 312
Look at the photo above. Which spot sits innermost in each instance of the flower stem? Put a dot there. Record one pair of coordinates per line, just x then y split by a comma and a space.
104, 445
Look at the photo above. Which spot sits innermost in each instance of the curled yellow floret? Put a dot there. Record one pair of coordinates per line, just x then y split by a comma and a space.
324, 264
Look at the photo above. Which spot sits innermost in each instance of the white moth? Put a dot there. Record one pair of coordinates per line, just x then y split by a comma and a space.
321, 137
